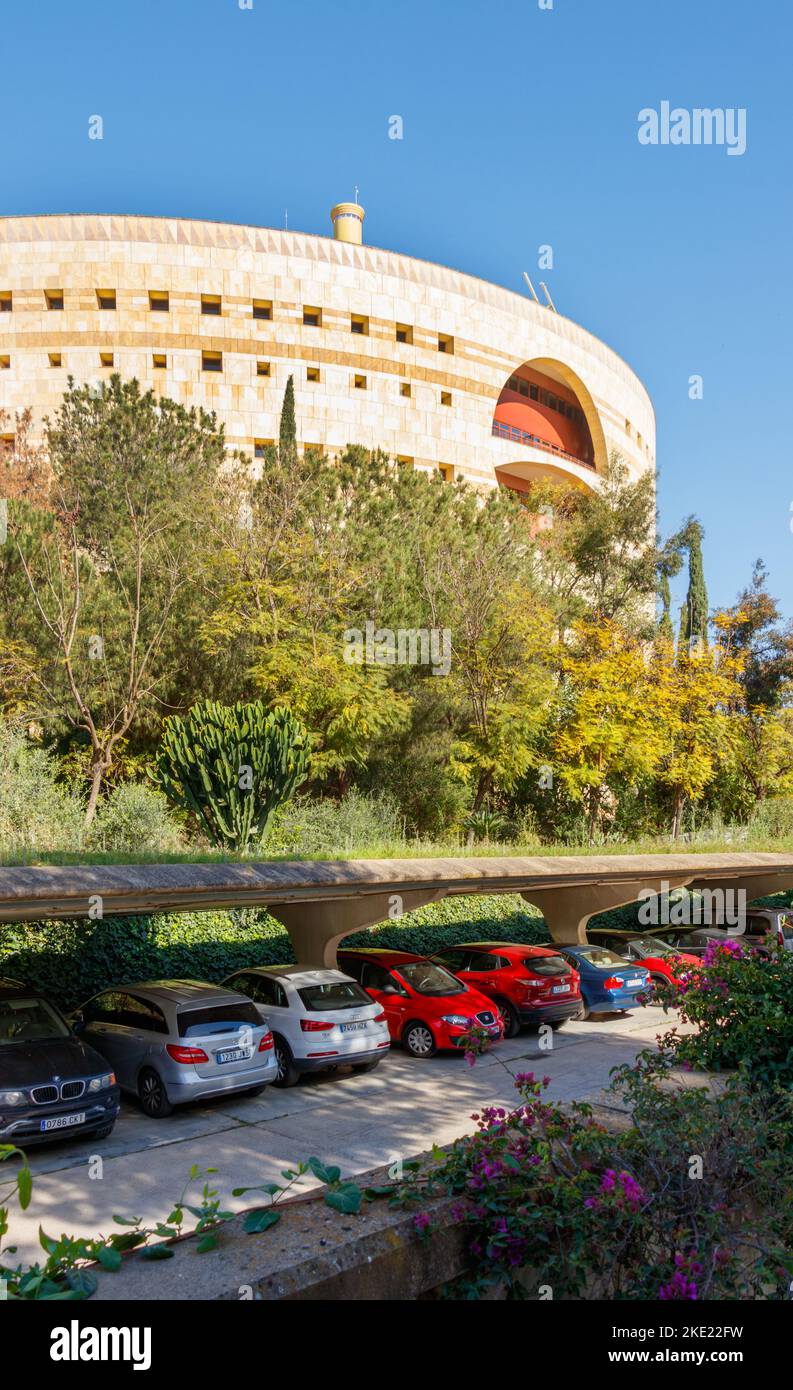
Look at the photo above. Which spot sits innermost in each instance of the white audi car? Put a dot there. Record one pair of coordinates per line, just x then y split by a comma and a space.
319, 1019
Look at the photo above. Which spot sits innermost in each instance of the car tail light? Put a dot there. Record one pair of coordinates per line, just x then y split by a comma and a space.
379, 1018
266, 1044
613, 982
315, 1025
186, 1054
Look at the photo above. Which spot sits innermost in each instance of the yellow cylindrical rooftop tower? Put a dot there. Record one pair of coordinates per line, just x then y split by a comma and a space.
347, 219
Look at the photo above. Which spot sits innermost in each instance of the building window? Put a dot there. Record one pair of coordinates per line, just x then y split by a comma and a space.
313, 451
159, 361
627, 427
405, 461
7, 442
446, 471
404, 333
312, 317
404, 388
359, 382
313, 374
6, 301
5, 363
445, 343
106, 299
534, 391
210, 304
54, 299
212, 361
55, 359
159, 301
446, 397
260, 447
359, 323
262, 368
106, 359
262, 308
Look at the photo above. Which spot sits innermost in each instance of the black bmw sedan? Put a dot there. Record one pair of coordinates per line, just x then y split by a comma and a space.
52, 1085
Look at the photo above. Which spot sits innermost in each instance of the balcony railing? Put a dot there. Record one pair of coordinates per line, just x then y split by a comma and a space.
516, 436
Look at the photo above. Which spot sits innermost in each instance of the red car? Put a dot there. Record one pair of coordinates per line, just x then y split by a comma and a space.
427, 1008
527, 984
665, 962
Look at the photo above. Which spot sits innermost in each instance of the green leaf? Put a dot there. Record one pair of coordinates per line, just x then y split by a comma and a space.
157, 1252
346, 1199
261, 1220
109, 1258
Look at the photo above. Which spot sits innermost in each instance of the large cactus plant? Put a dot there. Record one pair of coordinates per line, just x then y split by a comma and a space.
233, 766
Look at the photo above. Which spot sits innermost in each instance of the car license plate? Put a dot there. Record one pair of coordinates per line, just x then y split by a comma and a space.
62, 1121
352, 1027
234, 1054
560, 989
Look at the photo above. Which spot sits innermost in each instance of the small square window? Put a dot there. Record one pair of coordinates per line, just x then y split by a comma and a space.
405, 388
7, 442
6, 301
55, 359
106, 299
404, 333
313, 374
159, 301
313, 451
262, 368
5, 362
159, 361
262, 308
405, 461
446, 397
54, 299
359, 382
446, 471
312, 317
106, 359
445, 343
534, 391
359, 323
260, 447
210, 304
212, 361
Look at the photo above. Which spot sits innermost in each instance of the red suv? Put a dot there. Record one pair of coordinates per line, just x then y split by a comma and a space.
527, 984
427, 1008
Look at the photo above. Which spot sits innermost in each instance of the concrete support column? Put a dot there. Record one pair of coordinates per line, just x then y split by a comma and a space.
567, 910
316, 928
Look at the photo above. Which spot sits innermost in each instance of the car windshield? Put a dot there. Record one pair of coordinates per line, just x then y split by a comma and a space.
649, 946
336, 994
602, 958
30, 1020
786, 926
218, 1018
425, 977
546, 965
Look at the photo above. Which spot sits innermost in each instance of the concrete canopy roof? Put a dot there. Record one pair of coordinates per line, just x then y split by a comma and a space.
322, 901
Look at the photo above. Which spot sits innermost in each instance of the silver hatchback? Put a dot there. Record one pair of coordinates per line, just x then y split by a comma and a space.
174, 1041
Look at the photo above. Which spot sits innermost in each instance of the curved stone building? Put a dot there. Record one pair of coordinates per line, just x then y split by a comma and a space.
442, 370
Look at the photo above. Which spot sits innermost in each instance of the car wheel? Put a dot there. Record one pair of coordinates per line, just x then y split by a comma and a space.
656, 980
366, 1066
418, 1040
153, 1096
509, 1017
288, 1074
585, 1009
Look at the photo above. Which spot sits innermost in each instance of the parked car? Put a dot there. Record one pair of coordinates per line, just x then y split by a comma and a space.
52, 1084
765, 926
663, 960
695, 940
174, 1041
426, 1007
527, 984
609, 982
319, 1019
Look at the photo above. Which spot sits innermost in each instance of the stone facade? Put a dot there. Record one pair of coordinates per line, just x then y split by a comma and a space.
350, 385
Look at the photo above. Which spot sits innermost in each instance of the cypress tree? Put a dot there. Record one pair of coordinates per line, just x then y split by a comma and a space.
287, 435
696, 607
665, 621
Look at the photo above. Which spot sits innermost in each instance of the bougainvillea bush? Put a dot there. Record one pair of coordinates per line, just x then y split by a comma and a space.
741, 1005
686, 1203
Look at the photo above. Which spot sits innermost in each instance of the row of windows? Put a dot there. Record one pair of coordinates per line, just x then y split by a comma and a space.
213, 362
536, 393
446, 470
212, 304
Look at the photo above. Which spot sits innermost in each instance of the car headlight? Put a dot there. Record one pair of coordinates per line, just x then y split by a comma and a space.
456, 1020
101, 1083
12, 1098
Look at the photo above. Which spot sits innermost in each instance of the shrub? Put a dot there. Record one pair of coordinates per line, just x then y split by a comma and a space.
134, 819
36, 811
308, 827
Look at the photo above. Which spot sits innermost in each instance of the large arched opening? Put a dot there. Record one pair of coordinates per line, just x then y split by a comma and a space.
546, 411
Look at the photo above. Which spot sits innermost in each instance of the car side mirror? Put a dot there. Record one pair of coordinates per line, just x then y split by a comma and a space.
389, 989
78, 1023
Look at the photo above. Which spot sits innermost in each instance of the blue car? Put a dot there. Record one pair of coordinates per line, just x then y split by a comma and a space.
609, 982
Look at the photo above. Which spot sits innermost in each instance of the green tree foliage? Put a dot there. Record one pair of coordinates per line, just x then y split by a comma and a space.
694, 612
232, 767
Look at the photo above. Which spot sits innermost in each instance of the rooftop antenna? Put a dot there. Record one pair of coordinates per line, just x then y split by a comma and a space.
531, 287
286, 219
547, 294
355, 199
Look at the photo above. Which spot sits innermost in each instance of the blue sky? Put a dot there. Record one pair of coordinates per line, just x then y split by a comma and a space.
520, 129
